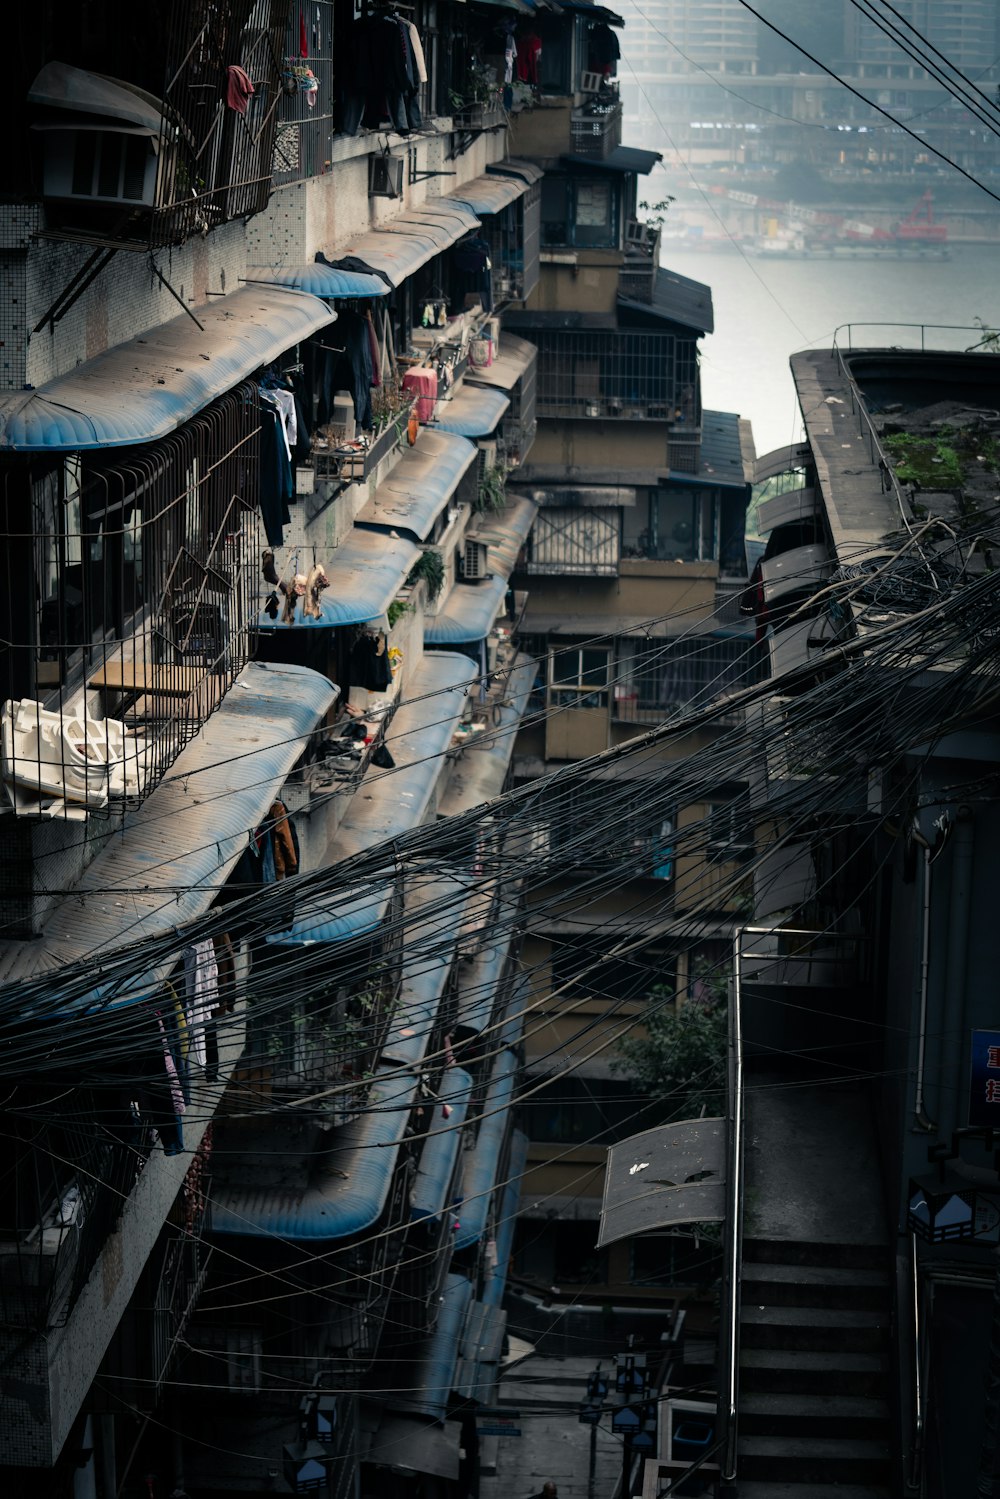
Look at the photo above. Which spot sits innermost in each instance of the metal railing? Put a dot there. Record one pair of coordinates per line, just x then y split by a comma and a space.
729, 1352
624, 375
917, 1390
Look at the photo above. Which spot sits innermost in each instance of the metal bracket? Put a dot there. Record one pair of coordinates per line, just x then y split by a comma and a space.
71, 293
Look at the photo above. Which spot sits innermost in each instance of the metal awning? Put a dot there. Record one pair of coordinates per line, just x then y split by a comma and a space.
472, 412
516, 166
516, 357
420, 486
480, 1174
59, 86
429, 1197
477, 985
148, 387
673, 1174
621, 159
339, 1193
479, 773
434, 915
409, 1446
448, 219
366, 572
480, 1351
803, 568
469, 613
783, 509
166, 869
405, 244
505, 533
494, 1287
335, 918
418, 738
435, 1372
325, 281
489, 193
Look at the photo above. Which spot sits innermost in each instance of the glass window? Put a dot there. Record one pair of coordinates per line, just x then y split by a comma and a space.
578, 677
596, 217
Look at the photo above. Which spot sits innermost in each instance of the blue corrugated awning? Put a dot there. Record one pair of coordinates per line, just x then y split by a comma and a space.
480, 1352
434, 916
489, 194
366, 572
326, 281
348, 1186
166, 870
472, 412
420, 486
148, 387
479, 1176
478, 981
417, 738
403, 245
479, 773
335, 918
430, 1195
505, 533
435, 1373
469, 613
495, 1285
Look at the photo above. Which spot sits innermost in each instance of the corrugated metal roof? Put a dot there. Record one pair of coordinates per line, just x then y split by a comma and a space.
420, 485
479, 774
621, 159
480, 1351
468, 614
320, 280
177, 848
517, 166
334, 918
147, 387
647, 1180
430, 1195
435, 1373
391, 801
721, 453
479, 1176
428, 957
489, 194
507, 1219
676, 299
506, 532
403, 245
348, 1185
516, 357
477, 984
366, 572
450, 217
473, 411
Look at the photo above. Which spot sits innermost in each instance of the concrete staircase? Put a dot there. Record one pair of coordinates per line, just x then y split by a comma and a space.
815, 1366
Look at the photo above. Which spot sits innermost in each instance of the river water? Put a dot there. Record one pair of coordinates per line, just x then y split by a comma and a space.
767, 310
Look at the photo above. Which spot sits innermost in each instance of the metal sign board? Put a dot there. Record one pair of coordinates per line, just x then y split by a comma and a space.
984, 1080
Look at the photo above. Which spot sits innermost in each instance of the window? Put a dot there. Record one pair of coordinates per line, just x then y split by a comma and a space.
730, 834
582, 210
578, 676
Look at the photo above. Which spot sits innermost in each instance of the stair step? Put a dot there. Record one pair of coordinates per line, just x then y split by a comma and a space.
811, 1372
817, 1328
814, 1252
773, 1413
814, 1459
815, 1285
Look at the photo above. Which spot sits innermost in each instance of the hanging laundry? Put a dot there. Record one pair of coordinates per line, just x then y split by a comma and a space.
238, 88
370, 666
529, 56
201, 994
303, 38
276, 482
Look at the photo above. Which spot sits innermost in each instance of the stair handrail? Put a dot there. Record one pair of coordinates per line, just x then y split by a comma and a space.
917, 1449
732, 1253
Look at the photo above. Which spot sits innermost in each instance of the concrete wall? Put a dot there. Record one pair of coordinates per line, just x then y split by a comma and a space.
581, 446
575, 280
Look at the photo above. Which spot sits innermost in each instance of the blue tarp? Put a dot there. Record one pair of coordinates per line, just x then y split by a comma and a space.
481, 1164
420, 486
348, 1186
334, 918
365, 572
472, 412
430, 1196
148, 387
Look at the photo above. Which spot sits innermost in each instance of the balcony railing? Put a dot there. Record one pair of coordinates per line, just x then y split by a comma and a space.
596, 127
306, 112
628, 376
637, 278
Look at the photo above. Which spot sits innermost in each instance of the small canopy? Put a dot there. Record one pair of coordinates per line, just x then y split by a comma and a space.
430, 1195
325, 281
489, 193
334, 918
505, 533
410, 1447
516, 357
447, 218
435, 1373
434, 916
495, 1285
472, 412
516, 166
621, 159
478, 983
405, 244
469, 614
148, 387
365, 572
481, 770
672, 1174
60, 86
803, 568
420, 486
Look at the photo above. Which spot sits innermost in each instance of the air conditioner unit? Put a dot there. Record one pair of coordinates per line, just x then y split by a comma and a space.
475, 561
109, 165
385, 176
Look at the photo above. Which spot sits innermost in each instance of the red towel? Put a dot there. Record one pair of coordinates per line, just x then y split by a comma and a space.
303, 39
238, 88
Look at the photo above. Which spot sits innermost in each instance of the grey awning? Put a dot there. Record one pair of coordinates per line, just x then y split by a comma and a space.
411, 1446
406, 243
673, 1174
783, 509
366, 572
420, 486
801, 569
516, 357
60, 86
479, 773
488, 194
473, 411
